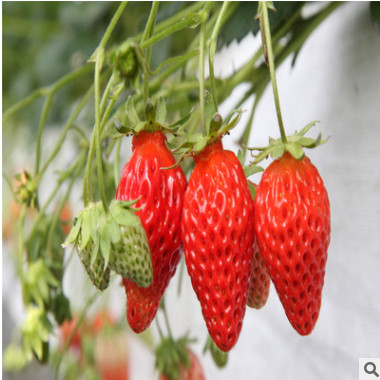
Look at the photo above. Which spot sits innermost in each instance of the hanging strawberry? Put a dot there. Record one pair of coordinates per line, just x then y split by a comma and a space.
149, 177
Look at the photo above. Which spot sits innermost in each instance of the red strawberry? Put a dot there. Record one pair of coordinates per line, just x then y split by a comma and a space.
292, 227
160, 192
260, 281
193, 372
217, 226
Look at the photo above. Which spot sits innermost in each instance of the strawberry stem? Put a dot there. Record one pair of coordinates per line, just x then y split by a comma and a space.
201, 76
268, 55
148, 34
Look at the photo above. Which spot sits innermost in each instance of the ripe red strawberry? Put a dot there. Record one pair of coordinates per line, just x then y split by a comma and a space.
260, 281
292, 227
193, 372
217, 226
160, 192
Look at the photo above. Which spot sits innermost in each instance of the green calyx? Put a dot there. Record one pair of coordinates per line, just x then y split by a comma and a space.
294, 145
171, 355
155, 119
99, 236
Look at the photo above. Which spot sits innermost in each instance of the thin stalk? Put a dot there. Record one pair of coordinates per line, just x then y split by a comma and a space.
45, 91
116, 163
212, 50
99, 163
78, 108
76, 169
21, 253
267, 48
202, 77
112, 24
149, 29
44, 115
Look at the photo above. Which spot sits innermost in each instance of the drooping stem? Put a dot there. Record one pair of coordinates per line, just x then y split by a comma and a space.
147, 34
268, 53
202, 76
212, 51
97, 132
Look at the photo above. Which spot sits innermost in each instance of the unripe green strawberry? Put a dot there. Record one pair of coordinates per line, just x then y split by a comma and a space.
292, 228
217, 235
130, 257
99, 276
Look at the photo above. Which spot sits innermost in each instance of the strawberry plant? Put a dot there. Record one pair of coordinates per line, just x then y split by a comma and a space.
142, 101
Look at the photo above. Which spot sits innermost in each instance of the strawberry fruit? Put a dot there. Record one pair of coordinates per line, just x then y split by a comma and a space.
217, 234
160, 193
292, 227
260, 281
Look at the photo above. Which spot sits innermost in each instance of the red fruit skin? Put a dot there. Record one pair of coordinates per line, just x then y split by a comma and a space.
292, 227
160, 192
260, 281
193, 372
217, 225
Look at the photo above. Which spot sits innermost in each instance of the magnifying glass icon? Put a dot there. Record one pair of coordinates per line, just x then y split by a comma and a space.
370, 368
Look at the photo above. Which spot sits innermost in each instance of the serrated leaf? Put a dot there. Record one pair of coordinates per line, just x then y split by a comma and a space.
161, 111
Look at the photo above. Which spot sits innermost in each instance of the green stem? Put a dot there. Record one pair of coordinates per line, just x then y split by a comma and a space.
202, 78
212, 51
75, 170
116, 163
112, 24
69, 124
45, 91
267, 48
21, 253
147, 34
44, 114
99, 163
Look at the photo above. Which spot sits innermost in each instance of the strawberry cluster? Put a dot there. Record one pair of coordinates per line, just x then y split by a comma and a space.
236, 237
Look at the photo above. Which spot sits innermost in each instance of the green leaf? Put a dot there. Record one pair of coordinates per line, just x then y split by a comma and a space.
14, 359
277, 151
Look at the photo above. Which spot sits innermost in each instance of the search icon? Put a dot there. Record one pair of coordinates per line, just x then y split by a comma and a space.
370, 368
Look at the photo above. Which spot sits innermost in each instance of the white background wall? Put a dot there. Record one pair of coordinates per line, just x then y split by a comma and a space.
336, 80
